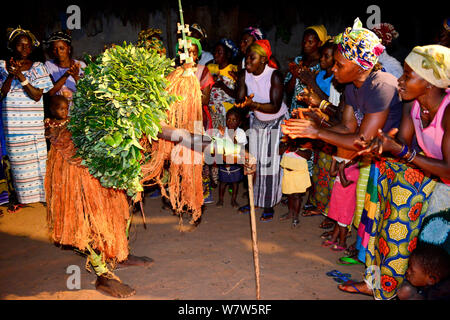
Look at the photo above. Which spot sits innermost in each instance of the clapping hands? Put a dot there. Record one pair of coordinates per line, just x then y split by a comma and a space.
248, 101
13, 67
309, 97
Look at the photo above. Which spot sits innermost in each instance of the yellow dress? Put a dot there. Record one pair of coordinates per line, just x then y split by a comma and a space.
296, 177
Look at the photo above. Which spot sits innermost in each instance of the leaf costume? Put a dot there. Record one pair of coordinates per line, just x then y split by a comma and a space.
95, 163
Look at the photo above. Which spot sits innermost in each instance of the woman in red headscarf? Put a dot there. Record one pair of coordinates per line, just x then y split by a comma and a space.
260, 89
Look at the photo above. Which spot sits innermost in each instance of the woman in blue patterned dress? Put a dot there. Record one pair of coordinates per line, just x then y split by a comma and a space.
313, 38
23, 83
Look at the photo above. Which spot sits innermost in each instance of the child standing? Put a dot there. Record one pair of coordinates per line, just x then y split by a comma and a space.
231, 173
296, 177
59, 109
343, 198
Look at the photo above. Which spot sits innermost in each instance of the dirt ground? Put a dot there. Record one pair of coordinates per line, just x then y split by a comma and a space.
212, 262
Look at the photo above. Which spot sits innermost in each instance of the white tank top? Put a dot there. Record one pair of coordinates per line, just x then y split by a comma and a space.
260, 86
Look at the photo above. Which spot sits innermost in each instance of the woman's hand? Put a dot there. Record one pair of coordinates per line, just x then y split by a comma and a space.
233, 75
74, 70
246, 103
314, 115
309, 97
13, 67
306, 76
300, 128
381, 143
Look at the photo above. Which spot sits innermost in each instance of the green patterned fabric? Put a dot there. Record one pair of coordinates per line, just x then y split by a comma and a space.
403, 195
322, 182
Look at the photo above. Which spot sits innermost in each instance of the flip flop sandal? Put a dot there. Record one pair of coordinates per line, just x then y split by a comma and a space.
328, 243
244, 209
285, 217
16, 208
337, 248
266, 217
351, 252
347, 261
311, 213
351, 283
339, 276
326, 225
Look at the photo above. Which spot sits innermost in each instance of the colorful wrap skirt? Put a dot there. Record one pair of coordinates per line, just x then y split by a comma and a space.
396, 202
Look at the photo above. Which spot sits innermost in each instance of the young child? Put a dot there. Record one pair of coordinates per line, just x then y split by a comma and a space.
428, 275
231, 173
59, 109
296, 177
343, 198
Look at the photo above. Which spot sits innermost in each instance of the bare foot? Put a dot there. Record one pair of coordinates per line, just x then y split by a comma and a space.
134, 261
234, 204
113, 287
219, 204
355, 287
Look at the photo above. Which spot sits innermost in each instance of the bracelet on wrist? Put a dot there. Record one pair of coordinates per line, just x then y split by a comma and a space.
25, 82
403, 152
412, 156
323, 104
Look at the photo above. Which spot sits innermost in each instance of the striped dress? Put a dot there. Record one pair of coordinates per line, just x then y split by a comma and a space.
264, 141
23, 125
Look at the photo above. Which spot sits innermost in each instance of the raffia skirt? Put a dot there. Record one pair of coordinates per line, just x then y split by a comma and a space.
80, 211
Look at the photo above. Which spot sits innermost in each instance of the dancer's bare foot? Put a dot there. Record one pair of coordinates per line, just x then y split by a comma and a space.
219, 203
113, 287
234, 203
135, 261
355, 287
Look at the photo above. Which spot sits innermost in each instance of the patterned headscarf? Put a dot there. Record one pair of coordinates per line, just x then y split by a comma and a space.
431, 63
14, 33
201, 30
262, 47
256, 33
59, 36
151, 39
230, 45
321, 32
386, 32
360, 45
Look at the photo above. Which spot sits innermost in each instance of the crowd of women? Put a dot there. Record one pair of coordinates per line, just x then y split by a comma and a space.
349, 133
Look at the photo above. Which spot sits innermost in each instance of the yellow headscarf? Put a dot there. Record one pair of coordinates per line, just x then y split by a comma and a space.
431, 63
14, 33
321, 32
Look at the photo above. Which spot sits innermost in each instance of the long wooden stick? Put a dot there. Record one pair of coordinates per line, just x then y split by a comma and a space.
254, 236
